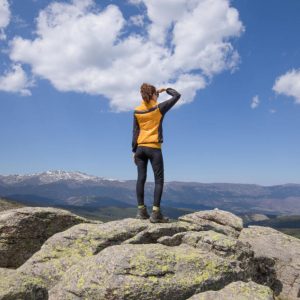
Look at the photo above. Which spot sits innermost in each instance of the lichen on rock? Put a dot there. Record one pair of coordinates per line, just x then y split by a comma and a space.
203, 254
24, 230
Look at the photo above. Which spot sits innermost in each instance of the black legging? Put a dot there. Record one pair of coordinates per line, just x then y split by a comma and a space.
142, 155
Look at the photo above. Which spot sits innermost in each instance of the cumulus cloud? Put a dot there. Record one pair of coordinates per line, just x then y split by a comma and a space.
289, 84
15, 80
80, 47
255, 102
4, 17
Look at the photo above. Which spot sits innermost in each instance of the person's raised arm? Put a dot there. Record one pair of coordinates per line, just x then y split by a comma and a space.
168, 104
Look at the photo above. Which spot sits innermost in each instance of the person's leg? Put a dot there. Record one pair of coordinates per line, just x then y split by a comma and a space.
141, 160
157, 163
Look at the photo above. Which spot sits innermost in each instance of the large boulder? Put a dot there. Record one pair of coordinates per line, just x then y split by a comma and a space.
284, 249
136, 259
69, 247
24, 230
239, 290
216, 219
146, 271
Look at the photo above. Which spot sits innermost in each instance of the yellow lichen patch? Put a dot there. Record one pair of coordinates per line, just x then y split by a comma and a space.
153, 278
165, 268
80, 282
217, 236
32, 280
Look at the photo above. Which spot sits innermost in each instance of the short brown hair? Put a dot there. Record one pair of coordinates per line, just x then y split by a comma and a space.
147, 91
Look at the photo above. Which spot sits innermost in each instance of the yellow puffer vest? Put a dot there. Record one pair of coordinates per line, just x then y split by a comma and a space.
149, 119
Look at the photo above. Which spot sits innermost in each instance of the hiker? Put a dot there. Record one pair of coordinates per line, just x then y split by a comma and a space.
146, 144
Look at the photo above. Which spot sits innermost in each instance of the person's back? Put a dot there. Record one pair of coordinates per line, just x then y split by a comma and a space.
148, 119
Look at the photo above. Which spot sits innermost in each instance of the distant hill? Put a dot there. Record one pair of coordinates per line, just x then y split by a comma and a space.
248, 218
287, 224
88, 191
9, 204
290, 221
108, 199
102, 213
111, 213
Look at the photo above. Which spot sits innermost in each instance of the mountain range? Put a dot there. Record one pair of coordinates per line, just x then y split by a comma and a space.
78, 189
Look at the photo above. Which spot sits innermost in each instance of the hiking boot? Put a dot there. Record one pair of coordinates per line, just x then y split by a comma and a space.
142, 213
157, 217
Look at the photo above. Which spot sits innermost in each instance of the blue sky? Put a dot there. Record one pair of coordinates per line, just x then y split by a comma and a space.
65, 105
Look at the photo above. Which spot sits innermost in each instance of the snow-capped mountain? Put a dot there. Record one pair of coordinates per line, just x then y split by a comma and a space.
57, 187
51, 176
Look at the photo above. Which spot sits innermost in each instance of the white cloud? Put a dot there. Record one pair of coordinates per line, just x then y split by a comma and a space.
289, 84
81, 48
19, 22
255, 102
135, 1
16, 81
137, 20
200, 33
4, 17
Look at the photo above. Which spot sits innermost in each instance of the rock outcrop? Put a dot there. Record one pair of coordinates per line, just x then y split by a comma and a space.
147, 271
284, 249
204, 255
24, 230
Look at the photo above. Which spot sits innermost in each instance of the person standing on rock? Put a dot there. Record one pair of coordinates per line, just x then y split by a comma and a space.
147, 138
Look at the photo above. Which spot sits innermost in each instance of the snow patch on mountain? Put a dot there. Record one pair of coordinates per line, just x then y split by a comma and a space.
53, 176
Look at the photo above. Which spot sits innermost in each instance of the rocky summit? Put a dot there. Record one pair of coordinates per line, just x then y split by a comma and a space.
49, 253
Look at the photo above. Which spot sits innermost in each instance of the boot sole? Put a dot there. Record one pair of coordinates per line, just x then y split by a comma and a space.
158, 221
